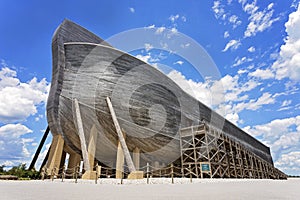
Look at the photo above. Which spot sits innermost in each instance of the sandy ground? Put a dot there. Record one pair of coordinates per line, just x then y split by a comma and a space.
157, 189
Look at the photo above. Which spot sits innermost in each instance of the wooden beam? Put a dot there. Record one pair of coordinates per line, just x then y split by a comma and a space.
121, 138
38, 151
82, 137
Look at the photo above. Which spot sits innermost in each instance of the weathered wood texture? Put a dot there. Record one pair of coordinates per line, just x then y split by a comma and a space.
150, 107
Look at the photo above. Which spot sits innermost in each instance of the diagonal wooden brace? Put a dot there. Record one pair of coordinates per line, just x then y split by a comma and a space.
121, 138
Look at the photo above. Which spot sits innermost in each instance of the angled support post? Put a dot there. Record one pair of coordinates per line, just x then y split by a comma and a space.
81, 137
38, 151
120, 136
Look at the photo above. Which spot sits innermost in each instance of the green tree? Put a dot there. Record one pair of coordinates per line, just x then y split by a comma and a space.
2, 171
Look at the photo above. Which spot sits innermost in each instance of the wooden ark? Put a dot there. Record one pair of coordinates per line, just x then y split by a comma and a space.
151, 109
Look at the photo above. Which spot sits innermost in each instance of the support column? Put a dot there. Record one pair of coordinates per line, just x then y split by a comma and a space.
136, 158
133, 173
119, 162
62, 161
74, 161
91, 173
55, 154
92, 147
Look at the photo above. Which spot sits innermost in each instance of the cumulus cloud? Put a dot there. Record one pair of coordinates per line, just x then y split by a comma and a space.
255, 104
288, 63
12, 143
289, 162
18, 100
144, 58
283, 136
259, 21
226, 95
262, 74
232, 44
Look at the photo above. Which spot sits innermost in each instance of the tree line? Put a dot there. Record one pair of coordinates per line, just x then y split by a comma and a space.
20, 171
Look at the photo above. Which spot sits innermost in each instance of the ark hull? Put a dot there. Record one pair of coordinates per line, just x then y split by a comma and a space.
150, 107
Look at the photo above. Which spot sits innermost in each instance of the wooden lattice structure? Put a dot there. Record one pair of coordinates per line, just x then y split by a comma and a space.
209, 152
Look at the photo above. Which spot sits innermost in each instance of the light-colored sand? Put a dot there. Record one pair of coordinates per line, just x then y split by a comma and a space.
158, 189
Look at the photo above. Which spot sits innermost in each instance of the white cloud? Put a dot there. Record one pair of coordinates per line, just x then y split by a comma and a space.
173, 18
251, 49
12, 143
218, 9
262, 74
283, 136
183, 18
148, 47
270, 6
286, 103
232, 44
288, 63
174, 30
289, 162
259, 20
159, 30
199, 90
179, 62
13, 130
150, 26
144, 58
233, 117
132, 10
226, 34
273, 130
240, 61
19, 100
242, 71
220, 93
185, 45
255, 104
233, 19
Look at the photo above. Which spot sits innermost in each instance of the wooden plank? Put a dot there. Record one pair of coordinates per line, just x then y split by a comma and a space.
120, 136
85, 156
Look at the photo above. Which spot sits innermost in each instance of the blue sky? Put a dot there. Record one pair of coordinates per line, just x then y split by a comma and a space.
254, 44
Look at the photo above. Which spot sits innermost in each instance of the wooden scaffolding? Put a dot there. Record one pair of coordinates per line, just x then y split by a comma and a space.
207, 152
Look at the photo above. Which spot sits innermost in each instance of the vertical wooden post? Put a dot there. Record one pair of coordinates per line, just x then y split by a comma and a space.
96, 178
76, 173
74, 160
55, 153
119, 161
63, 173
136, 158
172, 173
190, 169
147, 173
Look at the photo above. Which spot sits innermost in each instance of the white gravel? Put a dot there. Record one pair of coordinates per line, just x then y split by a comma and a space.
157, 189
